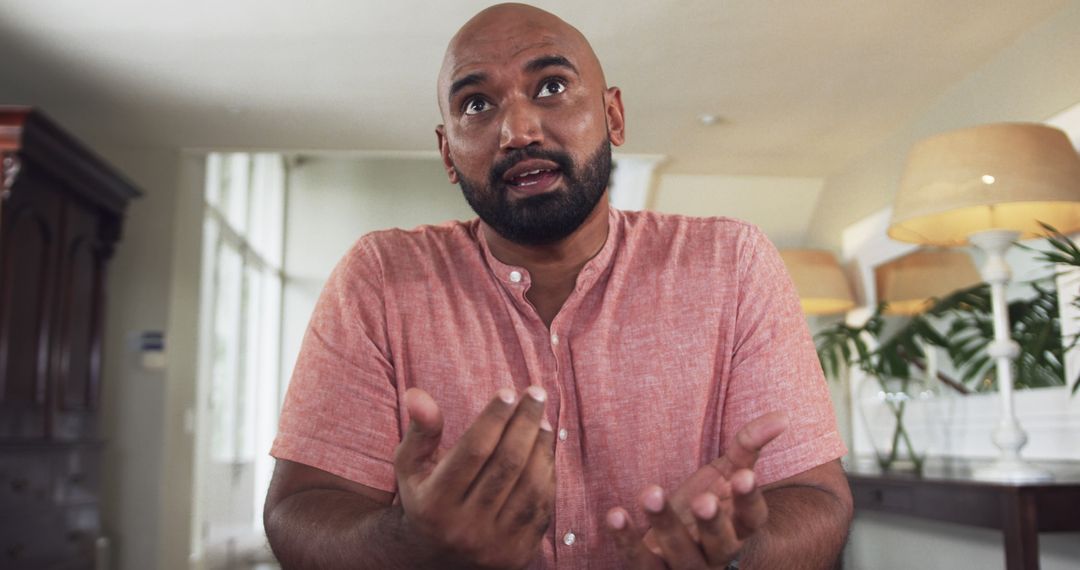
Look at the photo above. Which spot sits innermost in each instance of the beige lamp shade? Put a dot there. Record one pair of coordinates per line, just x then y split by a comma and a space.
1004, 176
910, 283
823, 288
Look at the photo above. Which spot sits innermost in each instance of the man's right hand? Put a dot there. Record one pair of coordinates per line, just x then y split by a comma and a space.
488, 502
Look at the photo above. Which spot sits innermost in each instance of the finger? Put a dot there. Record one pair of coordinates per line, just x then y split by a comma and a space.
742, 455
678, 547
715, 526
416, 452
532, 500
751, 512
750, 439
629, 544
501, 471
697, 483
456, 471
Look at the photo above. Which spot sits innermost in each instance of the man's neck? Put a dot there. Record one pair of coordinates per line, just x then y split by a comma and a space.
553, 267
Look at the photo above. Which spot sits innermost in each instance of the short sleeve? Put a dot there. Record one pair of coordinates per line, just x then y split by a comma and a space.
341, 410
775, 368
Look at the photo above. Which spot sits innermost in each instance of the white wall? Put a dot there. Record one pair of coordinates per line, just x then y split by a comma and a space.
153, 284
177, 485
777, 205
133, 399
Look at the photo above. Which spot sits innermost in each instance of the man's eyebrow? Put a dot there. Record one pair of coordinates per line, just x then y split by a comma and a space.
548, 61
468, 80
532, 66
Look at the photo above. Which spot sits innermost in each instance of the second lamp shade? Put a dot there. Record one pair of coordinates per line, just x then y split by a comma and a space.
823, 288
910, 283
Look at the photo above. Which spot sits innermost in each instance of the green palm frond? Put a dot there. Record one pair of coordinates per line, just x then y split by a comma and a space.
1035, 328
1062, 249
843, 345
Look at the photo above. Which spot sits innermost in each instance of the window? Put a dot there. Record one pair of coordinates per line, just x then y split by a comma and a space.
239, 394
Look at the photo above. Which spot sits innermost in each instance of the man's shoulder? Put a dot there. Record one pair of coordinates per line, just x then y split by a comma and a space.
396, 251
648, 226
432, 238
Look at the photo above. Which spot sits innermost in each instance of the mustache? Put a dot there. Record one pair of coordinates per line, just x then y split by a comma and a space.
563, 160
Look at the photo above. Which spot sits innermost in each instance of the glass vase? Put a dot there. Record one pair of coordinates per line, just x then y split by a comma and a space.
896, 417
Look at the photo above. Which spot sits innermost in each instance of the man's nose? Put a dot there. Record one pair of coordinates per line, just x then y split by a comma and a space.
521, 126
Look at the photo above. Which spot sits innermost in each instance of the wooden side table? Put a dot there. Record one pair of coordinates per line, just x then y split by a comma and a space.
947, 493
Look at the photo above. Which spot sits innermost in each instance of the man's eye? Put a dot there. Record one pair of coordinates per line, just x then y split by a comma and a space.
475, 105
551, 87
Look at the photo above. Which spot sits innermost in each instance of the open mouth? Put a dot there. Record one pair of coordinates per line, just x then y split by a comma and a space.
531, 176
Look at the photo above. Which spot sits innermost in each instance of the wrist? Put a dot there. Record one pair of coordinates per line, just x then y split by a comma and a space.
429, 552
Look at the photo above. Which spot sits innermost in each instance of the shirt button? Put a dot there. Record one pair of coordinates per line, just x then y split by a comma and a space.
515, 276
569, 539
554, 339
562, 434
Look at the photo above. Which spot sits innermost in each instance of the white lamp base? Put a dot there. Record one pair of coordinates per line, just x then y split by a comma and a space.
1009, 437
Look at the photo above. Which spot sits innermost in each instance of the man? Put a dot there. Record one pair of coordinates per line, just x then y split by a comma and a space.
543, 385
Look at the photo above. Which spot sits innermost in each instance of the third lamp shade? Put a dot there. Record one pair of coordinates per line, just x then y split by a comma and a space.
823, 288
910, 283
1003, 176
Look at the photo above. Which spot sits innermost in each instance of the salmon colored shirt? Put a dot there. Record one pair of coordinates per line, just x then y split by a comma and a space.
679, 331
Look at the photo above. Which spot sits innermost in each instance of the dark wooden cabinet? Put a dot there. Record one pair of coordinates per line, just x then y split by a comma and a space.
61, 211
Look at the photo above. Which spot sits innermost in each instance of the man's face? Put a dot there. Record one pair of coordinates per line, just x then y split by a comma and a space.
528, 124
553, 211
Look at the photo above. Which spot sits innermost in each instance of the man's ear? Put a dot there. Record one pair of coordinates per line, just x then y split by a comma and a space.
616, 120
444, 152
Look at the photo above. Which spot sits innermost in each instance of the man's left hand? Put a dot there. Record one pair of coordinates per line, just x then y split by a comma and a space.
706, 520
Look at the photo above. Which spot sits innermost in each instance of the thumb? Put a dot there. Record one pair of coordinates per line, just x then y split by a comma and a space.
415, 454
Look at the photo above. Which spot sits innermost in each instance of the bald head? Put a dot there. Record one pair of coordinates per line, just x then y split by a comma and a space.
499, 33
528, 123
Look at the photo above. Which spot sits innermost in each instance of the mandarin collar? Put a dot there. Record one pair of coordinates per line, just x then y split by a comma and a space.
517, 278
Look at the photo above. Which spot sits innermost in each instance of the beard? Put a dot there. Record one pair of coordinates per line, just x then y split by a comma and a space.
544, 218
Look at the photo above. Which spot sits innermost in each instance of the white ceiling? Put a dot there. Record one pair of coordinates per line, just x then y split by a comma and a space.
803, 87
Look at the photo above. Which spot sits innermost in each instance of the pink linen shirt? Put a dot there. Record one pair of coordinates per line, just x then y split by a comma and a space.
678, 332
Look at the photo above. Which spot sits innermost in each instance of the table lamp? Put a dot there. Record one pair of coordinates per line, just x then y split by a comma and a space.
989, 186
909, 285
823, 288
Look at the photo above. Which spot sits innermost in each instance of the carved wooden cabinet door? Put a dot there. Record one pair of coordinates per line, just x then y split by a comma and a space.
29, 250
77, 328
